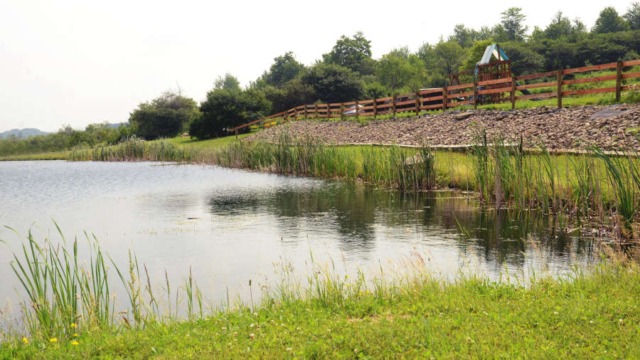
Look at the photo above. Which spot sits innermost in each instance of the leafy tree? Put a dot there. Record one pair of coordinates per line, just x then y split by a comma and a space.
451, 56
353, 53
427, 53
513, 24
560, 55
293, 93
226, 108
284, 69
524, 60
463, 36
334, 83
227, 82
375, 90
485, 33
560, 26
633, 16
165, 116
400, 70
609, 21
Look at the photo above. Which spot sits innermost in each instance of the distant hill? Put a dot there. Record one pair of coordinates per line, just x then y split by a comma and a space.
22, 133
117, 125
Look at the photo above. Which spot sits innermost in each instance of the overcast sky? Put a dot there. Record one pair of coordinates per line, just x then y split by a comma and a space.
79, 62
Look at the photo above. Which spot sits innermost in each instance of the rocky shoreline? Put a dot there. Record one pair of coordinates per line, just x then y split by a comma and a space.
610, 127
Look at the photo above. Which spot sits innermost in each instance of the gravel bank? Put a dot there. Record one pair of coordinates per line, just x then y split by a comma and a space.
571, 128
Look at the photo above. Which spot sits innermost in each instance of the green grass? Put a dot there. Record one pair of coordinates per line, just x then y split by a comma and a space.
589, 315
209, 144
58, 155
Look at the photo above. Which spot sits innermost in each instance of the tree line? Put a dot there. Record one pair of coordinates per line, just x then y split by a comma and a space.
349, 72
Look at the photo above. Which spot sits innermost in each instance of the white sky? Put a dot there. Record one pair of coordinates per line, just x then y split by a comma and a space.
79, 62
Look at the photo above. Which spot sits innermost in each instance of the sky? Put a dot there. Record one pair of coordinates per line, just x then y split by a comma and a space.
82, 62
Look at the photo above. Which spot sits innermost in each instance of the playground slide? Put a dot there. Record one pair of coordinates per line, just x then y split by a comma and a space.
493, 49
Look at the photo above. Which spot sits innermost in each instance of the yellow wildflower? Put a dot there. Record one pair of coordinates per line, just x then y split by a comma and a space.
348, 285
74, 343
75, 335
53, 340
25, 340
74, 325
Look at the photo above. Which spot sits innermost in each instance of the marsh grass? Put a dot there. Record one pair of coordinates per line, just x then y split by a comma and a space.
579, 189
62, 292
404, 309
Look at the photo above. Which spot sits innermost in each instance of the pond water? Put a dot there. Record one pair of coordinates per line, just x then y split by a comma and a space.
230, 226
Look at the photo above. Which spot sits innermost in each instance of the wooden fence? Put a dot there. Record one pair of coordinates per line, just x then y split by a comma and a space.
465, 94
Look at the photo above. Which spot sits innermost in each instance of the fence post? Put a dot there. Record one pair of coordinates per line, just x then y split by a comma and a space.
619, 81
513, 92
375, 108
444, 98
475, 93
342, 111
417, 103
559, 89
236, 134
357, 110
393, 105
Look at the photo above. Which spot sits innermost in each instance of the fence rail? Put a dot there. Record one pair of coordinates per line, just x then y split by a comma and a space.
465, 94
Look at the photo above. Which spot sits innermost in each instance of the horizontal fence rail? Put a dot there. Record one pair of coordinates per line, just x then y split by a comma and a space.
551, 84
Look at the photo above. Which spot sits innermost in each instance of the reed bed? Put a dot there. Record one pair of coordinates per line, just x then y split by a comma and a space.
597, 187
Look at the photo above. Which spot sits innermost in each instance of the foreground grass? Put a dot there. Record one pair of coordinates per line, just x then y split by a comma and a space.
589, 316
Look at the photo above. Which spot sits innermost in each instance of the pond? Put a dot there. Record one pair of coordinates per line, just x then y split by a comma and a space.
230, 226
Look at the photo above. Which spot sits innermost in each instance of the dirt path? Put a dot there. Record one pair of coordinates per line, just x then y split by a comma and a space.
610, 127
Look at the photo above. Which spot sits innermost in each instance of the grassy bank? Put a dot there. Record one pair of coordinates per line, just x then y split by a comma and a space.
179, 142
589, 316
69, 312
59, 155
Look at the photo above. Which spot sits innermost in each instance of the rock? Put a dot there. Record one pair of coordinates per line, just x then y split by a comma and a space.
415, 159
463, 116
567, 129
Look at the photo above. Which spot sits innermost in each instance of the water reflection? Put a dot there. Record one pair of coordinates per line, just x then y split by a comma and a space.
356, 212
230, 225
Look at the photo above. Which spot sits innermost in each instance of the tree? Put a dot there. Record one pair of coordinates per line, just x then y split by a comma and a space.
227, 82
633, 16
227, 108
353, 53
427, 53
609, 21
523, 59
165, 116
560, 26
333, 83
513, 24
451, 56
463, 36
284, 69
399, 70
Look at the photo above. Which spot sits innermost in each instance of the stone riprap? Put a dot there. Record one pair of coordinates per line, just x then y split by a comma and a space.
610, 127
